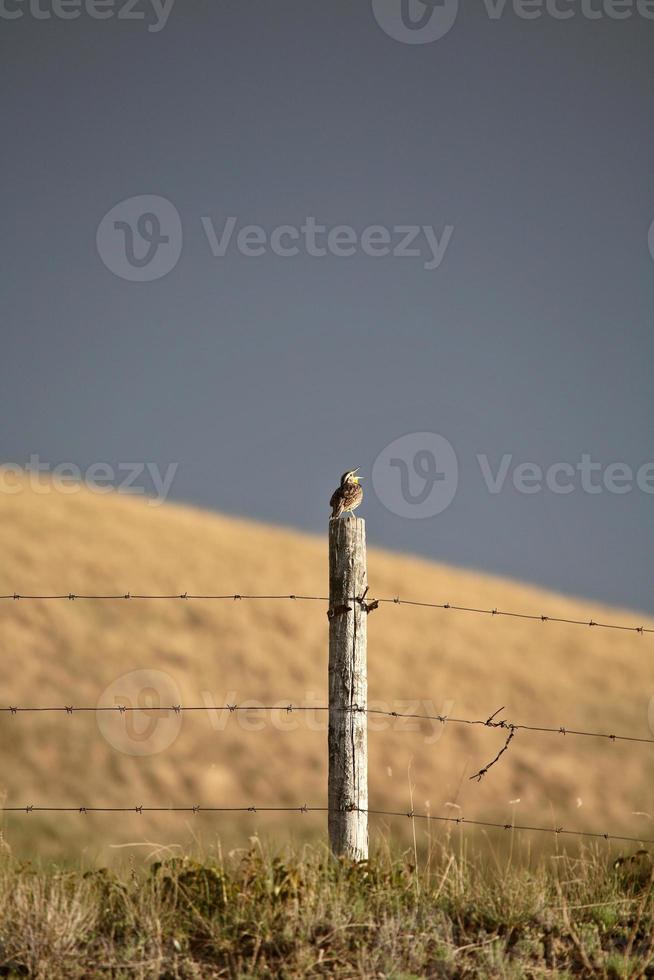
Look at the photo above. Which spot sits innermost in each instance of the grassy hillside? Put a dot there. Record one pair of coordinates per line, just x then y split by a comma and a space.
295, 914
217, 652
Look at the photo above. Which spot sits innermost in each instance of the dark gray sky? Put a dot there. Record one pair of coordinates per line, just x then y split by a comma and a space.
265, 377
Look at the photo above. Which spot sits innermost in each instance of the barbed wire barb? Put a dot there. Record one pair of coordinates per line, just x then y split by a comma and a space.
482, 772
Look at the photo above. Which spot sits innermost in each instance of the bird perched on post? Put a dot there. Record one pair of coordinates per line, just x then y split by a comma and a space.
348, 495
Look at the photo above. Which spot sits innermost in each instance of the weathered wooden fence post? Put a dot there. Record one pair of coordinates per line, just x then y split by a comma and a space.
348, 689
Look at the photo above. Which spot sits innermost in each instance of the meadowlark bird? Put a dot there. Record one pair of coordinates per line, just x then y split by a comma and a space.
348, 495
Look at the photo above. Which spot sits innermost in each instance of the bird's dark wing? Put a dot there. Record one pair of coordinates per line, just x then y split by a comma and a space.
336, 503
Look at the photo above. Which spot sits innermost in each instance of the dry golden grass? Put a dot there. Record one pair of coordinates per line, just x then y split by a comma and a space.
294, 913
70, 652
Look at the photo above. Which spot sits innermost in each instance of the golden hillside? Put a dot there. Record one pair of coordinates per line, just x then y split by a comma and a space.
207, 652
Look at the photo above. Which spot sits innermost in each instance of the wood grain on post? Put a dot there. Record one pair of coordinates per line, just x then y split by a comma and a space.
348, 690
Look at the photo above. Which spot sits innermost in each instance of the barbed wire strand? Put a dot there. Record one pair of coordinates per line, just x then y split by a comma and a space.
289, 708
305, 808
489, 765
369, 606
